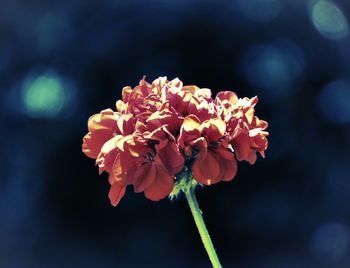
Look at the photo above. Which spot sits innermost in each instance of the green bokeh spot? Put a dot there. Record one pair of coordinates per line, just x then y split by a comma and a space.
43, 96
329, 20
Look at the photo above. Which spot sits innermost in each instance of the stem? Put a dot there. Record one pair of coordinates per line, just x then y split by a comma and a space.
197, 215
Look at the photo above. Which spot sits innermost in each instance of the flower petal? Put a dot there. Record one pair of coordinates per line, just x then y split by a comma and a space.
228, 163
241, 145
126, 124
207, 170
101, 128
190, 123
144, 176
213, 129
189, 131
229, 96
116, 192
161, 186
170, 157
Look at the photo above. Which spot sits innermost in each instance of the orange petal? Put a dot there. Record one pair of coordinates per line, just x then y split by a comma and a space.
117, 169
108, 154
137, 149
111, 144
111, 179
101, 128
106, 119
126, 124
91, 148
116, 193
121, 143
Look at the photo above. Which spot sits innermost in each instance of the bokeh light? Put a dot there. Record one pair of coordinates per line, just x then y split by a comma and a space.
338, 184
5, 57
330, 241
46, 95
333, 102
329, 20
273, 68
51, 31
260, 10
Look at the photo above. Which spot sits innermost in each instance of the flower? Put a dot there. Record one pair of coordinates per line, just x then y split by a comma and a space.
162, 129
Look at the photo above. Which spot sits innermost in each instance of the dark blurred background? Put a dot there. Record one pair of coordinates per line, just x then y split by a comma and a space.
62, 61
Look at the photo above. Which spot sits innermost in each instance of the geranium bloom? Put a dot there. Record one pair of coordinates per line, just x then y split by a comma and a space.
162, 129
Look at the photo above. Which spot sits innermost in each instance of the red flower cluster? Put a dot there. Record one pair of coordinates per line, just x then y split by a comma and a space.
162, 128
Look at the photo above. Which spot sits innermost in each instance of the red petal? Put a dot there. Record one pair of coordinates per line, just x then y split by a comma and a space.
251, 158
171, 157
143, 176
207, 170
201, 146
228, 169
162, 185
241, 145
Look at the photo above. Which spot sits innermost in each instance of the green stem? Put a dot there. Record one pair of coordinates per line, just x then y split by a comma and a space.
197, 215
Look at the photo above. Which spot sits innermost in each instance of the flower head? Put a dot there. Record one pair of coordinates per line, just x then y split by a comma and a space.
161, 129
